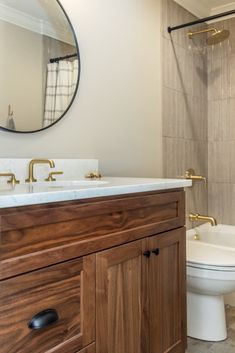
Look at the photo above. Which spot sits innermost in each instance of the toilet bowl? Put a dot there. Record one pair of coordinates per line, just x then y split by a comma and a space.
210, 275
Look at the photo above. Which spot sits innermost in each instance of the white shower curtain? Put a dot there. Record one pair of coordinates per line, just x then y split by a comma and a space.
61, 83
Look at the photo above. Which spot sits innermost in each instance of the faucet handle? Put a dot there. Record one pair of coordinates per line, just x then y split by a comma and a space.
93, 175
13, 179
50, 177
190, 174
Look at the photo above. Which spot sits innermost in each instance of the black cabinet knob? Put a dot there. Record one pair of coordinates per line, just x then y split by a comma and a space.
156, 251
43, 319
147, 253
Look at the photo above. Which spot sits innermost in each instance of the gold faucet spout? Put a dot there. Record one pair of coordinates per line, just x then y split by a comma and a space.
193, 217
190, 174
31, 178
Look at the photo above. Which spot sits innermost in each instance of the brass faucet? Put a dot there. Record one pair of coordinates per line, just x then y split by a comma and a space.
197, 217
31, 178
190, 174
13, 179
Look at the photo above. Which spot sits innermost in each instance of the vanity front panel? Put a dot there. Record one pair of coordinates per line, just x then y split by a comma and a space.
42, 235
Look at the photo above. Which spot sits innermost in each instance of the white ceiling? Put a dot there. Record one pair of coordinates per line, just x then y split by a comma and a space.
205, 8
42, 16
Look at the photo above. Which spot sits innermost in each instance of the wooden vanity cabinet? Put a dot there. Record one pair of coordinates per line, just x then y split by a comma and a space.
113, 268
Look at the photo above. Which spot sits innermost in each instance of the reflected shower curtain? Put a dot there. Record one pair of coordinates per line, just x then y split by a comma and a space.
61, 83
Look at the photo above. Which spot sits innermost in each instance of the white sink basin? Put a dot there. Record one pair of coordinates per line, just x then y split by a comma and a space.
69, 183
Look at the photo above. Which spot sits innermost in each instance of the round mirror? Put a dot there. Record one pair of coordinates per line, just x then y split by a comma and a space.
39, 64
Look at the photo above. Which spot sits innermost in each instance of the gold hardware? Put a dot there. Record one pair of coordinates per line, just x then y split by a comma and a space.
93, 175
218, 35
193, 217
31, 178
190, 174
191, 34
13, 179
50, 177
196, 235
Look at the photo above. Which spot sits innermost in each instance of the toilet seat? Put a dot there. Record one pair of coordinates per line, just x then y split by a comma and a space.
211, 272
210, 257
211, 267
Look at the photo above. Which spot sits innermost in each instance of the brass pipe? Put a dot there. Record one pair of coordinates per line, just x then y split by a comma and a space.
191, 34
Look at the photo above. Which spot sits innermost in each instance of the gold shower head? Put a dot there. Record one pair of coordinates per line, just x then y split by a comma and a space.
217, 36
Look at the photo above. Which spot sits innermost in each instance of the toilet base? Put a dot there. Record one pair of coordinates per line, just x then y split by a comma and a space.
206, 317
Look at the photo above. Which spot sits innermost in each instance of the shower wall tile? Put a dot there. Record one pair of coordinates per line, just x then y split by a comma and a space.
177, 68
231, 82
221, 202
184, 104
196, 156
219, 161
174, 114
200, 75
195, 124
221, 126
173, 157
232, 162
199, 113
219, 78
172, 15
195, 200
231, 123
218, 120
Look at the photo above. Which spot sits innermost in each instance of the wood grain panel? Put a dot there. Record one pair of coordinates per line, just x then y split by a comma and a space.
69, 288
31, 236
167, 293
120, 319
90, 349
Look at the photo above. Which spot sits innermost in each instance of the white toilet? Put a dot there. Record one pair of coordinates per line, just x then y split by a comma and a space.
210, 275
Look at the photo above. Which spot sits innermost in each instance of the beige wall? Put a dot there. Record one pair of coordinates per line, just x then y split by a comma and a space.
184, 105
20, 75
116, 116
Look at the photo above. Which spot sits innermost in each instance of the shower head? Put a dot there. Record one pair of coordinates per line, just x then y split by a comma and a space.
217, 36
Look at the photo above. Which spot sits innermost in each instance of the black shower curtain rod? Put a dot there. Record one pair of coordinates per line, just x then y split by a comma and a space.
214, 17
56, 60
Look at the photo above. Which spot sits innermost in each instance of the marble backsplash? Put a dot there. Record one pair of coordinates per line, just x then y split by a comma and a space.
71, 168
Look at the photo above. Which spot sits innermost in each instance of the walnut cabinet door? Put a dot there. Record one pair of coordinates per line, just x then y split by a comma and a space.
140, 305
167, 293
121, 302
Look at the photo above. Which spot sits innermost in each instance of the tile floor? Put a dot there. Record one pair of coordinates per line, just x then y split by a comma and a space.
227, 346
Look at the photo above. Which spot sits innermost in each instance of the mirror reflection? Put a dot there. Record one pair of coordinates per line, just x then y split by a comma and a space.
39, 64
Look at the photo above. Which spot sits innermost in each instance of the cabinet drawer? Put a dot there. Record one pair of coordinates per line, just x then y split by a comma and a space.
66, 288
62, 231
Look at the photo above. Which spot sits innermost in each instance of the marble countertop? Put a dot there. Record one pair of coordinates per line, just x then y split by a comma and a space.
39, 193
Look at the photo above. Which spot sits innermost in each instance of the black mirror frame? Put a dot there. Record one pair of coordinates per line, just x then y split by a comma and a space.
75, 91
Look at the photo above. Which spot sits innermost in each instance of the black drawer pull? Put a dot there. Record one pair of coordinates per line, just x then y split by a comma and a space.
43, 319
156, 251
147, 253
